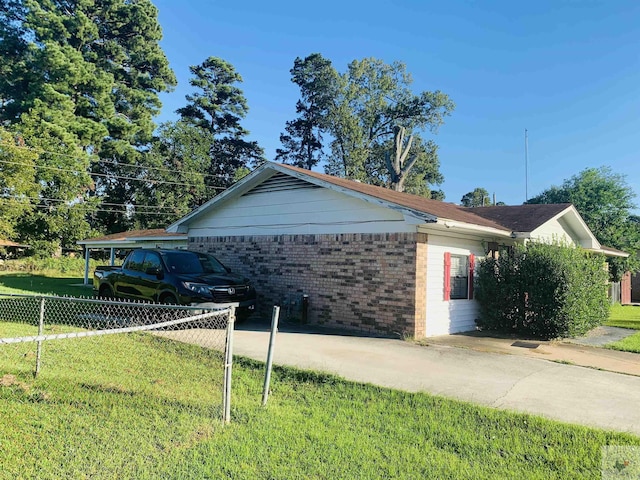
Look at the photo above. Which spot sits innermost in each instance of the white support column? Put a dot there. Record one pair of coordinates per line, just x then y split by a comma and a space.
86, 265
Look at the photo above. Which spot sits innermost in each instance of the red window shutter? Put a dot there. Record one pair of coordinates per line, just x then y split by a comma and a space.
447, 276
472, 266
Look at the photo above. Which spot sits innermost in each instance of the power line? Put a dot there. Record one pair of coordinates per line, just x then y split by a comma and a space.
106, 175
101, 160
161, 169
53, 208
132, 205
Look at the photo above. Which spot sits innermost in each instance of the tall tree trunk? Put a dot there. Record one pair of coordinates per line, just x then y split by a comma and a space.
402, 163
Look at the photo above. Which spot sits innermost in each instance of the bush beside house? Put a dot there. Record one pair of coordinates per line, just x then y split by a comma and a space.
542, 290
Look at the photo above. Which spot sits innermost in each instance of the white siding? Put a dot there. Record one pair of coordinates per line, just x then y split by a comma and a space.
452, 316
298, 211
555, 231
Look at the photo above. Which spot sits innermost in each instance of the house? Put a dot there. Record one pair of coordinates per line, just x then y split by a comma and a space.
369, 258
11, 249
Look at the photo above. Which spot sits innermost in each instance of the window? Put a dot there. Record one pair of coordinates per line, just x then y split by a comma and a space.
151, 260
135, 261
458, 276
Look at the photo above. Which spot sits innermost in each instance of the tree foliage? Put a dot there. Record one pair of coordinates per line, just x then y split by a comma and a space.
179, 156
17, 181
373, 119
302, 142
479, 197
605, 202
218, 106
80, 81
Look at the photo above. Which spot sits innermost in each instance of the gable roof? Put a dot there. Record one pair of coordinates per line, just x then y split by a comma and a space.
521, 218
504, 220
435, 208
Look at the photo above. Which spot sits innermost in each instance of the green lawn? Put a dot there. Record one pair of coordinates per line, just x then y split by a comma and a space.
625, 316
139, 406
12, 282
629, 344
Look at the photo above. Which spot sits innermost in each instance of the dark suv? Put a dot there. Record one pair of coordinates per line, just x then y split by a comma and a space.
177, 277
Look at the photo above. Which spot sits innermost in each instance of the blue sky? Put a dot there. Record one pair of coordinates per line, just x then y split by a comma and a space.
566, 70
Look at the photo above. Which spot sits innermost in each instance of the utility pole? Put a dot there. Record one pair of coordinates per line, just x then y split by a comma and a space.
526, 166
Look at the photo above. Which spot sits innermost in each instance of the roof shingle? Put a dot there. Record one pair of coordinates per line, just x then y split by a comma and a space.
517, 218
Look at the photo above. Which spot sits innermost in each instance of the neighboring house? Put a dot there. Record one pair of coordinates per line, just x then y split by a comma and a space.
369, 258
154, 238
11, 249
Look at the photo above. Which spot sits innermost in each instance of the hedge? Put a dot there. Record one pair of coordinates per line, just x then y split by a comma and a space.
542, 290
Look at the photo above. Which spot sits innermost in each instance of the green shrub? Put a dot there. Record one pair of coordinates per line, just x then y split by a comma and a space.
542, 290
43, 249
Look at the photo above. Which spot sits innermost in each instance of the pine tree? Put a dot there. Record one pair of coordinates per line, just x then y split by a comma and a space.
218, 106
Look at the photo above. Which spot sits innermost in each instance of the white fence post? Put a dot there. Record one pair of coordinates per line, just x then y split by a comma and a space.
40, 332
228, 367
272, 341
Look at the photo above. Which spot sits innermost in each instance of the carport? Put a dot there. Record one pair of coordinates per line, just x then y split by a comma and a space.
154, 238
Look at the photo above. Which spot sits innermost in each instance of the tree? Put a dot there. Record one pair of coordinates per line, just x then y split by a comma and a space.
217, 107
179, 158
88, 73
17, 181
302, 142
374, 108
478, 198
374, 121
604, 200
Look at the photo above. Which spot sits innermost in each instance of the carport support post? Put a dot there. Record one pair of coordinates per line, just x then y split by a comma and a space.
272, 341
228, 366
112, 257
86, 264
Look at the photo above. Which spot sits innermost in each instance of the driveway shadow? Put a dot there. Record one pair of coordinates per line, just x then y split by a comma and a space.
262, 324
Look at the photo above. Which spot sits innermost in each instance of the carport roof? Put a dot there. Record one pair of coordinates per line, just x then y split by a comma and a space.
132, 237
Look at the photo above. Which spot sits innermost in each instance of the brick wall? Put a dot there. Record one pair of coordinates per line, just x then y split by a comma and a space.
366, 282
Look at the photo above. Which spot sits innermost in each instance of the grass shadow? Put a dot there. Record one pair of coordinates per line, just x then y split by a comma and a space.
44, 285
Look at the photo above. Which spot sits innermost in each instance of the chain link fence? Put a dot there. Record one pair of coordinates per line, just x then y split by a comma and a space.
102, 356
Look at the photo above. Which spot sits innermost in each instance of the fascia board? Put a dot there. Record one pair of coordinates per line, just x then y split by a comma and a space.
447, 223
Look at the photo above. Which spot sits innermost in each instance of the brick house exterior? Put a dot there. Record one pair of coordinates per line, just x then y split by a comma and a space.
369, 258
366, 282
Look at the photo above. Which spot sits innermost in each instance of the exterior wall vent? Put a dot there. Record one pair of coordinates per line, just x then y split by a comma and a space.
280, 182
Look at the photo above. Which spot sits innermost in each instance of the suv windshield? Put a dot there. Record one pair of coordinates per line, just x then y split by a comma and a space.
192, 262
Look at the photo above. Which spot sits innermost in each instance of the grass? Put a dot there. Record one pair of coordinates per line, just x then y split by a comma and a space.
12, 282
139, 406
145, 407
625, 316
629, 344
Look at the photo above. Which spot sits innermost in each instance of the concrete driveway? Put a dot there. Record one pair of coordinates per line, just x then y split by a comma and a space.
563, 392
